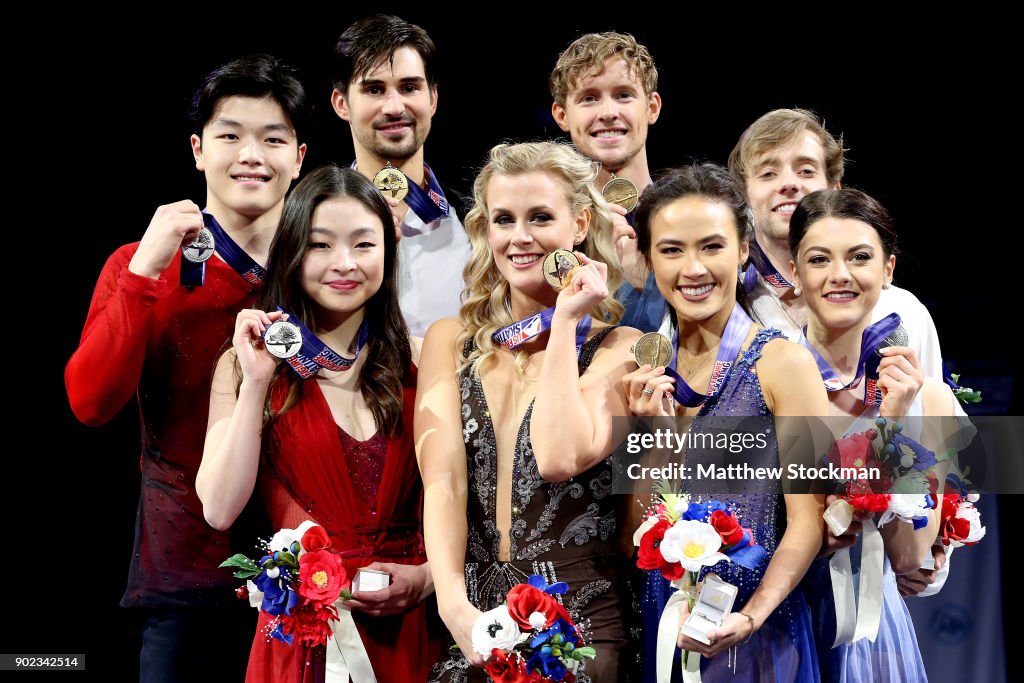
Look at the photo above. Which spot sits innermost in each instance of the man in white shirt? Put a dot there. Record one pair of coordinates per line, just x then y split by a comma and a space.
385, 87
782, 157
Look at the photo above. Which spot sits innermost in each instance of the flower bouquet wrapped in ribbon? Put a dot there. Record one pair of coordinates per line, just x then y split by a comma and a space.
892, 479
301, 584
531, 638
679, 538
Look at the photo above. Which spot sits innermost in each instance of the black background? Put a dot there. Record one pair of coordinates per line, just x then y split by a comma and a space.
99, 139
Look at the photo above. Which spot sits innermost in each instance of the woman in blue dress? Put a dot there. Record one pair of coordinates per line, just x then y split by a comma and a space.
693, 228
844, 253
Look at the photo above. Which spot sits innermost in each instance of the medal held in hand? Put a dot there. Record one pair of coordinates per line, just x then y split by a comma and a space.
201, 249
391, 182
653, 349
622, 192
558, 268
283, 339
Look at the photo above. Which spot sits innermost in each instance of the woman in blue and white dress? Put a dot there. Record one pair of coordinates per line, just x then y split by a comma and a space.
844, 253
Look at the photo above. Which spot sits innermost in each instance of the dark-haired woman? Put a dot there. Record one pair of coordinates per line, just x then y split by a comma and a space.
336, 448
693, 228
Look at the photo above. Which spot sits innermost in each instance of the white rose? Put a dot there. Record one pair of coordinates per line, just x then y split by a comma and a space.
284, 538
255, 594
906, 507
971, 514
692, 544
495, 629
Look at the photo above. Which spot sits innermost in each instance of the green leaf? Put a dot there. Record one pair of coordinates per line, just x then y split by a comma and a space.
240, 562
584, 653
246, 574
955, 378
345, 595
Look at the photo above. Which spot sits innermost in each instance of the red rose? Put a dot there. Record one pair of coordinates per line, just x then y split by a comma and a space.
952, 528
315, 538
727, 526
524, 600
649, 554
321, 576
308, 624
505, 668
864, 501
855, 450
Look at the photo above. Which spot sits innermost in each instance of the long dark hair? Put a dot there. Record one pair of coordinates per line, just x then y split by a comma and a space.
387, 352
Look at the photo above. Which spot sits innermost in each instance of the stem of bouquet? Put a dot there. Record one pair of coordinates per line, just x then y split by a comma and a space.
690, 590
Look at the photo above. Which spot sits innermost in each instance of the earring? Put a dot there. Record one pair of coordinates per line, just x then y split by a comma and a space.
797, 291
578, 242
886, 285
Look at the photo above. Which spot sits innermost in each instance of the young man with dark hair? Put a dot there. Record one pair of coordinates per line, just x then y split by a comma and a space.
385, 86
162, 311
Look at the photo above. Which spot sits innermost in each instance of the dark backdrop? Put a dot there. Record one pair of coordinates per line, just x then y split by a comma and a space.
101, 139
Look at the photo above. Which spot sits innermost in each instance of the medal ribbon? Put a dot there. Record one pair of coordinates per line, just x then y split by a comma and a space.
736, 331
867, 364
759, 263
194, 274
526, 329
315, 354
429, 204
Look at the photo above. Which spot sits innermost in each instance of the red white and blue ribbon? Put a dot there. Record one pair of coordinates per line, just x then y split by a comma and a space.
759, 264
736, 331
867, 365
194, 274
526, 329
315, 354
429, 204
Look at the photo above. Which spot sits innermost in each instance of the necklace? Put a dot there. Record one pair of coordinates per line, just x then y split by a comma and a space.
710, 354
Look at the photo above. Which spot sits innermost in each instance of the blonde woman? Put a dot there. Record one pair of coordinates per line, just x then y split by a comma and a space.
512, 442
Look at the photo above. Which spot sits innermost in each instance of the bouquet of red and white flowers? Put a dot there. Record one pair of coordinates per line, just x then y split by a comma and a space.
298, 582
531, 638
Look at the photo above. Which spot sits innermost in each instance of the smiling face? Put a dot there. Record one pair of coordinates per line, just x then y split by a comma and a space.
249, 154
779, 178
389, 108
529, 215
695, 253
344, 263
841, 267
607, 114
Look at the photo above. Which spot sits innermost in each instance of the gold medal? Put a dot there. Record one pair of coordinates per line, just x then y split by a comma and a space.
558, 267
622, 192
391, 182
653, 349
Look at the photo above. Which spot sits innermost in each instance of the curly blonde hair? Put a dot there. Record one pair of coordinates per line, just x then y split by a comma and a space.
586, 56
485, 310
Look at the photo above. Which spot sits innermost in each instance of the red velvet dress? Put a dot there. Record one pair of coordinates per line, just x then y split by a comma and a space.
305, 474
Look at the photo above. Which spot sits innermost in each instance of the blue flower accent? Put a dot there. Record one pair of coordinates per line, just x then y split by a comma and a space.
561, 626
539, 583
547, 663
696, 512
278, 634
278, 596
923, 458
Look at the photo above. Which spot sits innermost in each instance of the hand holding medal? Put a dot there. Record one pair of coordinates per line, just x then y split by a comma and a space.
256, 359
648, 388
584, 286
174, 227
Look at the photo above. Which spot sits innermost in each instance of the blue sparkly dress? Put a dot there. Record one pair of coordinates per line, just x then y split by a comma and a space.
782, 650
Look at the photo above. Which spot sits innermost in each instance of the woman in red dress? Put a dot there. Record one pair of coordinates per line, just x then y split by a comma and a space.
336, 448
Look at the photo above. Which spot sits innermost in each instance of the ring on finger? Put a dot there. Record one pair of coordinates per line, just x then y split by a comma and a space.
648, 392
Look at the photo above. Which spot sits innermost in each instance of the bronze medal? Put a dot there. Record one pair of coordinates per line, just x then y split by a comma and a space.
653, 349
622, 192
558, 268
391, 182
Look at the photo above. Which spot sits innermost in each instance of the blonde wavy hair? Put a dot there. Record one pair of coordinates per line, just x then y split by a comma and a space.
485, 310
586, 56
